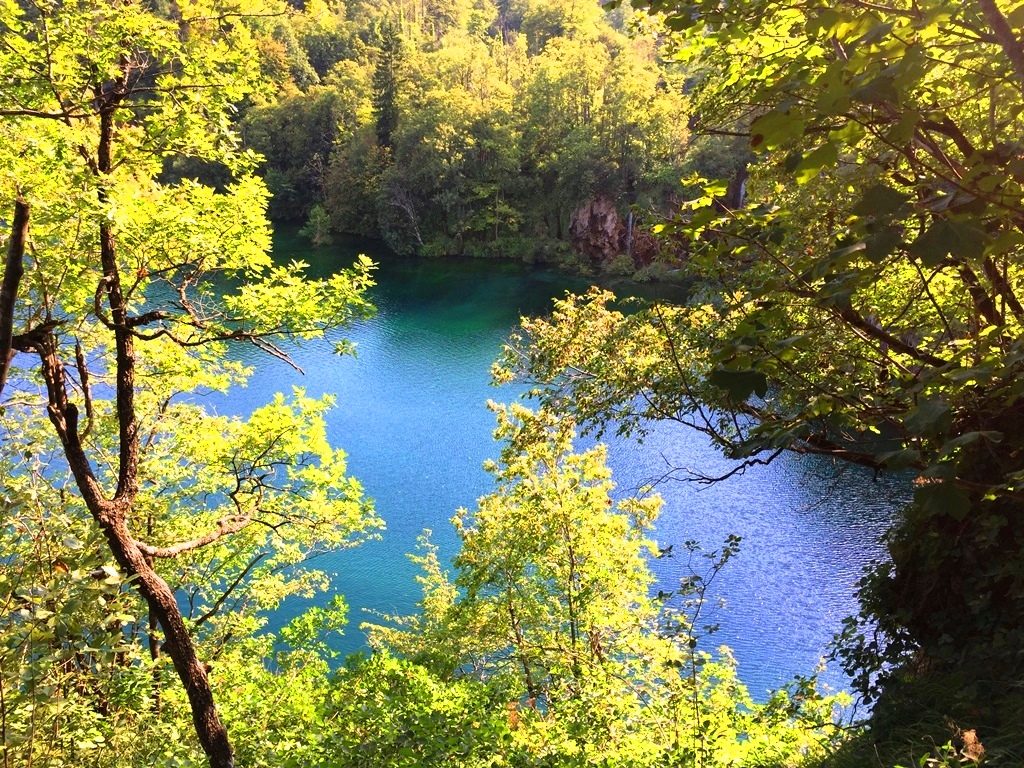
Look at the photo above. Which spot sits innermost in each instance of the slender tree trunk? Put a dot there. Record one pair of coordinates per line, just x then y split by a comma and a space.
177, 641
521, 649
735, 195
629, 235
151, 634
111, 514
13, 270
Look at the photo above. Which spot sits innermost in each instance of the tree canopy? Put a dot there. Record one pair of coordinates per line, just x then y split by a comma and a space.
855, 277
479, 129
864, 305
121, 291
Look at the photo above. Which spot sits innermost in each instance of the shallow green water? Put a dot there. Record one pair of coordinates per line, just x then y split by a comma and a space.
411, 414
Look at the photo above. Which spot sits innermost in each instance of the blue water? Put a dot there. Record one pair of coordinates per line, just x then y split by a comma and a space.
411, 415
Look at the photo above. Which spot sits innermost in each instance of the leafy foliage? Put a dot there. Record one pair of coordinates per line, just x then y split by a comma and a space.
484, 129
550, 610
864, 306
149, 526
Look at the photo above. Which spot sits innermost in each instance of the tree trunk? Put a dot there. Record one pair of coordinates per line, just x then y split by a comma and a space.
211, 731
1007, 39
13, 270
111, 515
629, 235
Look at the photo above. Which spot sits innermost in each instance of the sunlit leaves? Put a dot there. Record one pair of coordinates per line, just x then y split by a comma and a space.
283, 301
775, 129
97, 98
865, 302
549, 609
815, 161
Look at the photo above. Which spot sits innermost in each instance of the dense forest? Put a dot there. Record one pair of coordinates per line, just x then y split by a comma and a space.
857, 298
536, 130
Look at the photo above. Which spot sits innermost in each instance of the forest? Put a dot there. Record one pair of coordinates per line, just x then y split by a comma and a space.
541, 131
839, 185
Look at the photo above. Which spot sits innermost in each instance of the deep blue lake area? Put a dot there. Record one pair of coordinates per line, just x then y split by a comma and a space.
411, 416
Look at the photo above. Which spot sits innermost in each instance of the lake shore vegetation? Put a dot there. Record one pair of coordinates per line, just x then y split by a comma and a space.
542, 131
851, 223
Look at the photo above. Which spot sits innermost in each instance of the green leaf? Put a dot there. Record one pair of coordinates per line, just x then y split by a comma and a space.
739, 384
901, 459
969, 438
904, 129
945, 499
969, 240
877, 33
879, 91
881, 200
812, 164
930, 418
944, 237
824, 20
111, 575
882, 243
774, 129
932, 245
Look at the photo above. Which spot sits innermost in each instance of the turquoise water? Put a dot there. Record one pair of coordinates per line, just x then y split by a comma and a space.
411, 415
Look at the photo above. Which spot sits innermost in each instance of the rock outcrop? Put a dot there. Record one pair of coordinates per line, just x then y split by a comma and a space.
598, 232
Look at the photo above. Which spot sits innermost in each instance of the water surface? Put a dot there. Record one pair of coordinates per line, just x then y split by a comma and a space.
411, 415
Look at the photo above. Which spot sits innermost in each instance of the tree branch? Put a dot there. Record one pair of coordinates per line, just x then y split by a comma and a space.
63, 115
225, 527
983, 303
148, 317
83, 377
1003, 287
819, 445
219, 603
854, 318
952, 131
1007, 40
64, 417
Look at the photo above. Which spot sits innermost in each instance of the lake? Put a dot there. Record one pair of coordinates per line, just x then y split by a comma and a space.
411, 416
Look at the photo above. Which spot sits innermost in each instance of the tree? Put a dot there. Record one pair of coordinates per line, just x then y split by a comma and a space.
553, 576
453, 155
295, 137
550, 573
544, 21
115, 297
442, 134
550, 609
387, 78
865, 306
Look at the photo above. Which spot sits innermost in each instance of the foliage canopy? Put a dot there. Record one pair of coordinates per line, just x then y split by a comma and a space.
121, 291
864, 306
